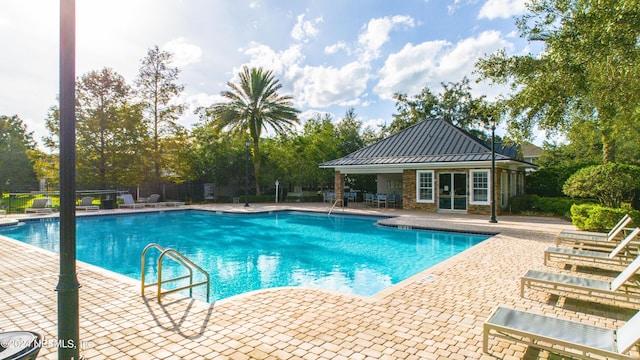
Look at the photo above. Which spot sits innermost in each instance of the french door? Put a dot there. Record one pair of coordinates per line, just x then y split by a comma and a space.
452, 194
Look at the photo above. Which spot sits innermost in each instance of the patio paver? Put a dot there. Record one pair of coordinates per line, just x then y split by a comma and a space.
437, 314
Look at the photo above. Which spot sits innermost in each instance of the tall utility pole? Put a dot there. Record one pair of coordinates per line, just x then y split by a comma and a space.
67, 288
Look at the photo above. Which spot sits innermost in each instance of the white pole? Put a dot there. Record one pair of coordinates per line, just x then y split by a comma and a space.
277, 193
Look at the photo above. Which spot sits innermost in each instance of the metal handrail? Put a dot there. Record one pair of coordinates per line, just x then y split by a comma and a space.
182, 260
336, 203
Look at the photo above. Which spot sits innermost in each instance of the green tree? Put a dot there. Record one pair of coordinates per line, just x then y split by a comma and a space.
158, 93
252, 105
589, 68
610, 183
348, 133
411, 111
110, 134
16, 168
455, 104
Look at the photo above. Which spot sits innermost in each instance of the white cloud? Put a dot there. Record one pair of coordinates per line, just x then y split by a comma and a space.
303, 30
184, 53
325, 86
279, 61
341, 45
254, 5
376, 34
504, 9
433, 62
452, 8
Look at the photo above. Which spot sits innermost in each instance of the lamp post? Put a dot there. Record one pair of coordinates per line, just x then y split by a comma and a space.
67, 287
493, 170
277, 185
246, 173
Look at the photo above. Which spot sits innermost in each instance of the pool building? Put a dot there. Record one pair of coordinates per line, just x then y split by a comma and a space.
437, 167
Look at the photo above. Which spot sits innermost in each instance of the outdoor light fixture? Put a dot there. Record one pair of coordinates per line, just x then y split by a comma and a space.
246, 173
277, 185
493, 170
67, 287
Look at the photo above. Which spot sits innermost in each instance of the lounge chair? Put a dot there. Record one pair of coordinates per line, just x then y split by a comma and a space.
571, 338
39, 206
129, 202
588, 240
619, 257
623, 289
86, 203
152, 201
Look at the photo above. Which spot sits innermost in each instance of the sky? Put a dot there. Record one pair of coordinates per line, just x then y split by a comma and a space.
330, 55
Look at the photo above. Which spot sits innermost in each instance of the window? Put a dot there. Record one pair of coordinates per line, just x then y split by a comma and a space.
424, 186
480, 187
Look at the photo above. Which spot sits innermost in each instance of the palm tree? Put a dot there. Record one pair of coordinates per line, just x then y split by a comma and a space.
254, 104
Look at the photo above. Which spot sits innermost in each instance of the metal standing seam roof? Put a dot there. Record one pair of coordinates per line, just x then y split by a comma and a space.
429, 141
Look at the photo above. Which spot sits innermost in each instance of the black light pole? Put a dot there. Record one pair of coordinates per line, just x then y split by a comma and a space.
67, 288
246, 172
493, 170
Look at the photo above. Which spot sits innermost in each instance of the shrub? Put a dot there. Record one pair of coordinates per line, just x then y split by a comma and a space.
556, 206
547, 181
611, 183
592, 217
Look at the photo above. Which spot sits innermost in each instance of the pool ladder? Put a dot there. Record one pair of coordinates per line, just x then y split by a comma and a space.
336, 203
180, 259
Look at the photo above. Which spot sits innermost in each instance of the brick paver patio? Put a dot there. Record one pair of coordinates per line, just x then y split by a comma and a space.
437, 314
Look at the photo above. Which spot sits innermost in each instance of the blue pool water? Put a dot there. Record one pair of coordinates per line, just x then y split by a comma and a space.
250, 252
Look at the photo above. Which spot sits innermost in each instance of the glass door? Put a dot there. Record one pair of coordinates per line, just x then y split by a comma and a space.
452, 193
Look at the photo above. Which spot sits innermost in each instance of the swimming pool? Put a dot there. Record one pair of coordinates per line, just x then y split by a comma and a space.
243, 252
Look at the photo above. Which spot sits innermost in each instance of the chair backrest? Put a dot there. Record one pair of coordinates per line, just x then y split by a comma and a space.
619, 227
153, 198
626, 274
629, 334
624, 243
86, 201
39, 203
128, 199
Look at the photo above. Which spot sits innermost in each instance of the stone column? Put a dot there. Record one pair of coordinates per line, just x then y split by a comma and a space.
338, 186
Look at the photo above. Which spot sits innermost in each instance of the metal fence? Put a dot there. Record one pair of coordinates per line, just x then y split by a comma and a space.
21, 196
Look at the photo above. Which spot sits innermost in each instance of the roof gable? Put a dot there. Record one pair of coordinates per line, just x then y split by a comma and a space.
428, 141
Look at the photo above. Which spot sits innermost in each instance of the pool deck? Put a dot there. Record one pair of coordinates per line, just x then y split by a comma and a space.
437, 314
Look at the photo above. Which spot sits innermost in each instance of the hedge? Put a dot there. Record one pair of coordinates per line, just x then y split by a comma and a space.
556, 206
591, 217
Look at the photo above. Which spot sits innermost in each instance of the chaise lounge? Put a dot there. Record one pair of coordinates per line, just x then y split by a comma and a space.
39, 206
620, 257
129, 202
153, 201
560, 336
593, 240
86, 203
624, 289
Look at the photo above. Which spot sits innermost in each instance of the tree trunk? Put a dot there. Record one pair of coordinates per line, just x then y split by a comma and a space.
608, 147
256, 167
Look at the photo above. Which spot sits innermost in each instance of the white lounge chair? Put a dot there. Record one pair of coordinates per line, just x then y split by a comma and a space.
560, 336
619, 257
39, 206
86, 203
152, 201
589, 240
624, 289
129, 202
